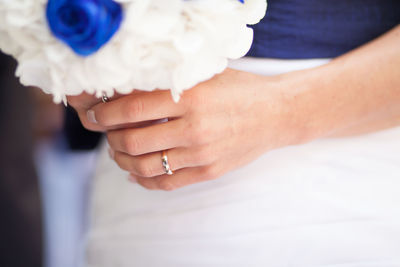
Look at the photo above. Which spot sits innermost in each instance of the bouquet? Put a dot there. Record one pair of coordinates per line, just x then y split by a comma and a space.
67, 47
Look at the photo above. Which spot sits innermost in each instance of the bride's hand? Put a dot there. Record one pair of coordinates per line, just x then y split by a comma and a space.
216, 127
236, 116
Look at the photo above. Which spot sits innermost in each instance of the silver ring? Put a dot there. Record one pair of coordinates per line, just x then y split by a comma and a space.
105, 98
165, 164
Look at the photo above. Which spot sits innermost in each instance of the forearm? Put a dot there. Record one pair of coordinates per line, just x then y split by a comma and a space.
355, 93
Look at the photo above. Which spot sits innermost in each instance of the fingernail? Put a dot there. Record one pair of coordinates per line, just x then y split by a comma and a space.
91, 116
111, 153
132, 179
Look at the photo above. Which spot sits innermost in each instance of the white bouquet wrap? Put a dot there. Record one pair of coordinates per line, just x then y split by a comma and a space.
157, 44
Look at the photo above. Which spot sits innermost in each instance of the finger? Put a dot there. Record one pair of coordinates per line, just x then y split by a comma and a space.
139, 141
87, 124
144, 106
95, 127
150, 165
179, 179
82, 103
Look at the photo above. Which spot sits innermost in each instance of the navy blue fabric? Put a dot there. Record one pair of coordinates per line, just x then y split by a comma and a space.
298, 29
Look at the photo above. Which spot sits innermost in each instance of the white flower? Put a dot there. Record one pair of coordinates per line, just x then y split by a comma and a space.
161, 44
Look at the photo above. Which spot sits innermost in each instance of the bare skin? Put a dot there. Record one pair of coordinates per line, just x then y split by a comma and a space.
235, 117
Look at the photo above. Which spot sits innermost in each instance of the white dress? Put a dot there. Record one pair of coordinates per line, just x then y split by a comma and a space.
329, 203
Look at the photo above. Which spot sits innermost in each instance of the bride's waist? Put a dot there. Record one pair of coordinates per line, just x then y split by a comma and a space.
271, 66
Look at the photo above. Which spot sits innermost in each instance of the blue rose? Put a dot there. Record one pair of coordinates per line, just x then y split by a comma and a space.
84, 25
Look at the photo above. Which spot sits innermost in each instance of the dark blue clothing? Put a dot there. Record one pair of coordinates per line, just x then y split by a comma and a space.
297, 29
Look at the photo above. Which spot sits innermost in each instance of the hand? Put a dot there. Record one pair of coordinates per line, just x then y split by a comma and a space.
233, 118
217, 126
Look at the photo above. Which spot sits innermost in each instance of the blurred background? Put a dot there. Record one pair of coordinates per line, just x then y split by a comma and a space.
46, 162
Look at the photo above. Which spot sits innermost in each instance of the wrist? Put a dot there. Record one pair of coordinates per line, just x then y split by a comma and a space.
310, 113
281, 114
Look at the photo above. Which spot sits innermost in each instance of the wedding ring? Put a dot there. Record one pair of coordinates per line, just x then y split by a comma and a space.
165, 164
105, 98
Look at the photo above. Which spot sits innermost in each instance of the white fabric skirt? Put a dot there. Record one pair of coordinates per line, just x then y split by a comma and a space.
332, 202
